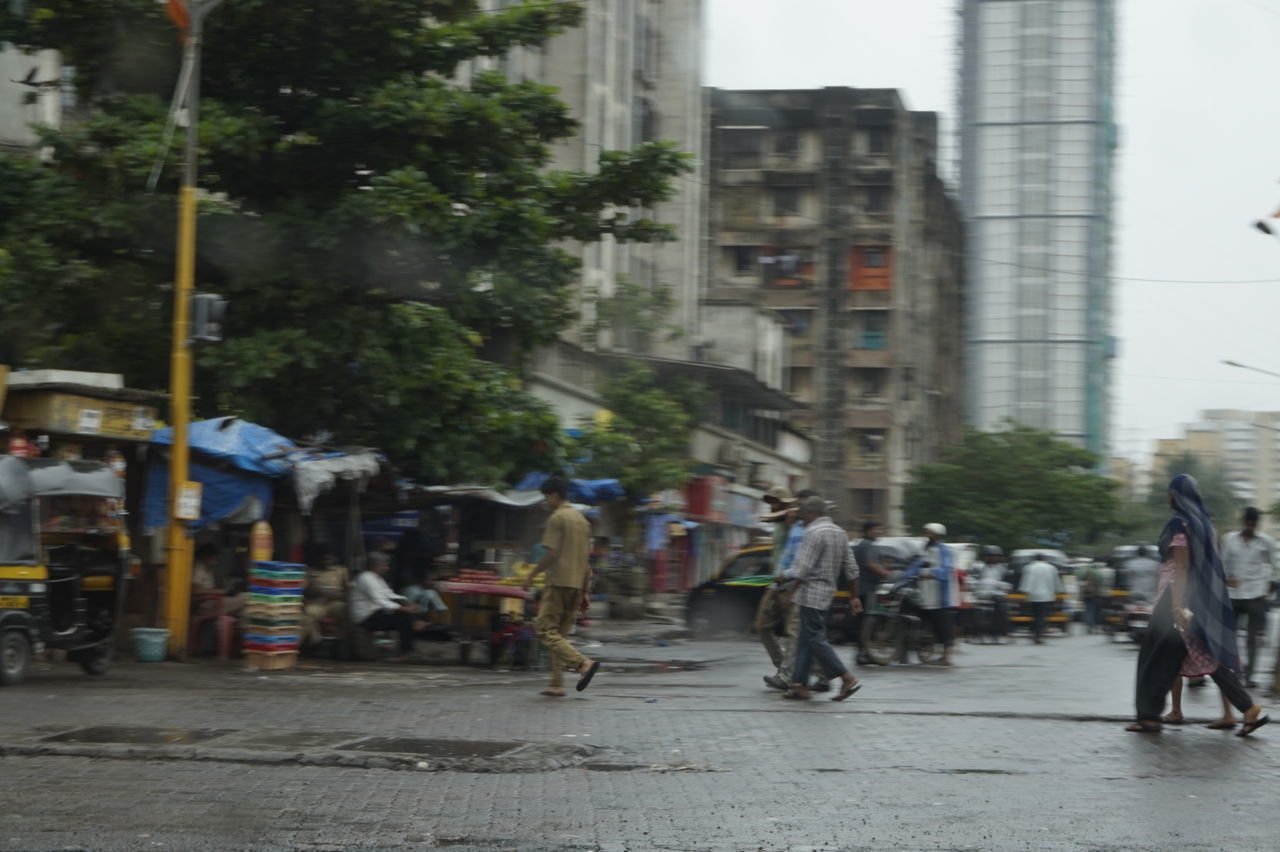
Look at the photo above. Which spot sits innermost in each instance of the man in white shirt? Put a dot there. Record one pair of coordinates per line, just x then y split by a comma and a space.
375, 607
1041, 584
1248, 557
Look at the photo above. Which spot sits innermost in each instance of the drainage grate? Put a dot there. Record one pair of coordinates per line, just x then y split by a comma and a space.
137, 736
433, 748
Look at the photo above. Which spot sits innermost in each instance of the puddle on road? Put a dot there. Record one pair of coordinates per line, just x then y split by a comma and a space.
982, 772
111, 734
433, 747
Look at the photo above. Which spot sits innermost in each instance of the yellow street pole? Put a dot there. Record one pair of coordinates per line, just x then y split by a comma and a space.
177, 603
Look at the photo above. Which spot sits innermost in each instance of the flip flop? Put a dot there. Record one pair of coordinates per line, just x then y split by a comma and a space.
847, 691
1220, 725
1170, 719
1142, 728
1249, 727
550, 694
585, 680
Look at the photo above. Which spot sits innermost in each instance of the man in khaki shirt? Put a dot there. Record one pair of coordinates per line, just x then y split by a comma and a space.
567, 542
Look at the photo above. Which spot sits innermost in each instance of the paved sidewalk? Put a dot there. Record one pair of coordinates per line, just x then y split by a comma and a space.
674, 747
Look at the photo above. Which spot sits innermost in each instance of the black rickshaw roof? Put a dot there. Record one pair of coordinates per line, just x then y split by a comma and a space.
21, 479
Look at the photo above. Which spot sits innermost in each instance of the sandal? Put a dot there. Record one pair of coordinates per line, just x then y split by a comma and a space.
1249, 727
585, 679
551, 693
846, 691
1143, 728
1173, 719
796, 696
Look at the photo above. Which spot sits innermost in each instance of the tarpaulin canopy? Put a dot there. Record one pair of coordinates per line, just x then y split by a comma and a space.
227, 495
248, 446
582, 490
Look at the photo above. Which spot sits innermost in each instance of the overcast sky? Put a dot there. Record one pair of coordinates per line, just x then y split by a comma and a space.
1199, 112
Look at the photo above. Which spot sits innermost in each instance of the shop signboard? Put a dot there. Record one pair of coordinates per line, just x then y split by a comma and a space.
71, 414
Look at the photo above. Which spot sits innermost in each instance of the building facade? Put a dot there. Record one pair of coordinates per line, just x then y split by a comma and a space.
34, 89
1037, 136
1245, 444
826, 209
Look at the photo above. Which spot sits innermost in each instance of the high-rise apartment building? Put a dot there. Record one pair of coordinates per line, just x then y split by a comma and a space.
1037, 136
1245, 444
826, 208
632, 73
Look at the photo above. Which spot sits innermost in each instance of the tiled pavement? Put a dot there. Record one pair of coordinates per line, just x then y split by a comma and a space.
1014, 748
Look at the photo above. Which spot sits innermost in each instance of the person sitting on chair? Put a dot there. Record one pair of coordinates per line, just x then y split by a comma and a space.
375, 607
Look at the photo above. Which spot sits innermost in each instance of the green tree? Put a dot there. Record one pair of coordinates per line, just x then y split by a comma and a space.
1016, 488
632, 309
645, 442
373, 223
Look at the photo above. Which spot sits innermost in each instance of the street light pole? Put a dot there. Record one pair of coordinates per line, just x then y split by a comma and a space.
1230, 363
177, 605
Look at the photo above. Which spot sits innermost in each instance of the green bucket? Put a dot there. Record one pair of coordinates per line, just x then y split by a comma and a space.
150, 644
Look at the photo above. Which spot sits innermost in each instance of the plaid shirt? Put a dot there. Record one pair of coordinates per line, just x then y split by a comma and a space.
824, 554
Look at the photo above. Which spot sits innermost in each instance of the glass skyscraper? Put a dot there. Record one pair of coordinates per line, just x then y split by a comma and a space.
1037, 136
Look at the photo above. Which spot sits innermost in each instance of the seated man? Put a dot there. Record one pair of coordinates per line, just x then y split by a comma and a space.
324, 597
204, 581
375, 607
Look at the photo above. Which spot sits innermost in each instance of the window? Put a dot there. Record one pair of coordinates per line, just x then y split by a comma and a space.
871, 382
878, 140
874, 327
744, 260
786, 201
870, 443
742, 148
798, 322
873, 257
878, 199
787, 146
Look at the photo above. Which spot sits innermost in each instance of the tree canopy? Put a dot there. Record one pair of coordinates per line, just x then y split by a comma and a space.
372, 221
1016, 488
644, 439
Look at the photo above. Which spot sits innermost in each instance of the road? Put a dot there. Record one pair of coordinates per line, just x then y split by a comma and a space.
675, 747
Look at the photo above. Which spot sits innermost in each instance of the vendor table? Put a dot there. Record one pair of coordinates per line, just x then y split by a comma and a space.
476, 597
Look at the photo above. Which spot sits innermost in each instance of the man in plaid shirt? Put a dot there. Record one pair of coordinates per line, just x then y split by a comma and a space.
824, 555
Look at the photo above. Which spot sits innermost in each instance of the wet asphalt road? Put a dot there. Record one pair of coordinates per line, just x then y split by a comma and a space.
1017, 747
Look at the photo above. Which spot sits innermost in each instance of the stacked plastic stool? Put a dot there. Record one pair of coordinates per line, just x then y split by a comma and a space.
273, 616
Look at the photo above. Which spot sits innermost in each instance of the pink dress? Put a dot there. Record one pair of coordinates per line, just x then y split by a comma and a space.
1198, 662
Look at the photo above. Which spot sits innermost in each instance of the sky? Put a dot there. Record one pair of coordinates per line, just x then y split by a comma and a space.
1198, 95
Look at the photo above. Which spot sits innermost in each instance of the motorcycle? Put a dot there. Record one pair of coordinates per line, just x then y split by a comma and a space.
1137, 616
893, 628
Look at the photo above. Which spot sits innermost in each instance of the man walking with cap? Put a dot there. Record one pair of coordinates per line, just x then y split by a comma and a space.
824, 555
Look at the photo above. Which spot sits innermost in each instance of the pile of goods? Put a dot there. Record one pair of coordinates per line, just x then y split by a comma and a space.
273, 616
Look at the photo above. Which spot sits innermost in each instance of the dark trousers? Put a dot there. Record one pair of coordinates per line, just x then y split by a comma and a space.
1160, 660
1039, 617
1255, 611
812, 646
401, 622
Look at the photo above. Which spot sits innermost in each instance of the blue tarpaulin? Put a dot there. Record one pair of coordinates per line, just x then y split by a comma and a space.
583, 490
226, 493
248, 446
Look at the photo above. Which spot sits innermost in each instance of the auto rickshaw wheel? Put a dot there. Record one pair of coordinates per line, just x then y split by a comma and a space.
15, 656
98, 661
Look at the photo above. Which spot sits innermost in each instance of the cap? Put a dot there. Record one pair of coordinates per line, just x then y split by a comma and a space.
936, 529
780, 493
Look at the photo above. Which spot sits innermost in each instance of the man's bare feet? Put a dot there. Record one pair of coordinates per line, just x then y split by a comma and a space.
553, 692
1172, 719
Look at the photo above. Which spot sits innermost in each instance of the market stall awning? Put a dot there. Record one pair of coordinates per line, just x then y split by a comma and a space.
248, 446
590, 491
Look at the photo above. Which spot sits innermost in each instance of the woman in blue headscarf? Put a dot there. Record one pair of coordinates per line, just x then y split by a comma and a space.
1193, 627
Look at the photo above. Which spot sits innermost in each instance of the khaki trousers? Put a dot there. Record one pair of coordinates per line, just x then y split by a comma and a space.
555, 620
771, 614
312, 614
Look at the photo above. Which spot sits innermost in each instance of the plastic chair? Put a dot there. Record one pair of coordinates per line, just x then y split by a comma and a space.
209, 608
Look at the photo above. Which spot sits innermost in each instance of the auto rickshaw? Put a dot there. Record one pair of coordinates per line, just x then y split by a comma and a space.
63, 557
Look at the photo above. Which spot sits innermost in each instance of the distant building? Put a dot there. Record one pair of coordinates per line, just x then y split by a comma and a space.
827, 210
1246, 444
33, 91
1037, 136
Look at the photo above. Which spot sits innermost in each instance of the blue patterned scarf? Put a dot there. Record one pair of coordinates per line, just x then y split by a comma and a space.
1214, 620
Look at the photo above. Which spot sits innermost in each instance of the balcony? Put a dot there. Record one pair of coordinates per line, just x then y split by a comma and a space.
868, 478
863, 418
869, 358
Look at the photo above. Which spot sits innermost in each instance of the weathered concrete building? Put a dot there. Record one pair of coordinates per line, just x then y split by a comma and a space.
826, 208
